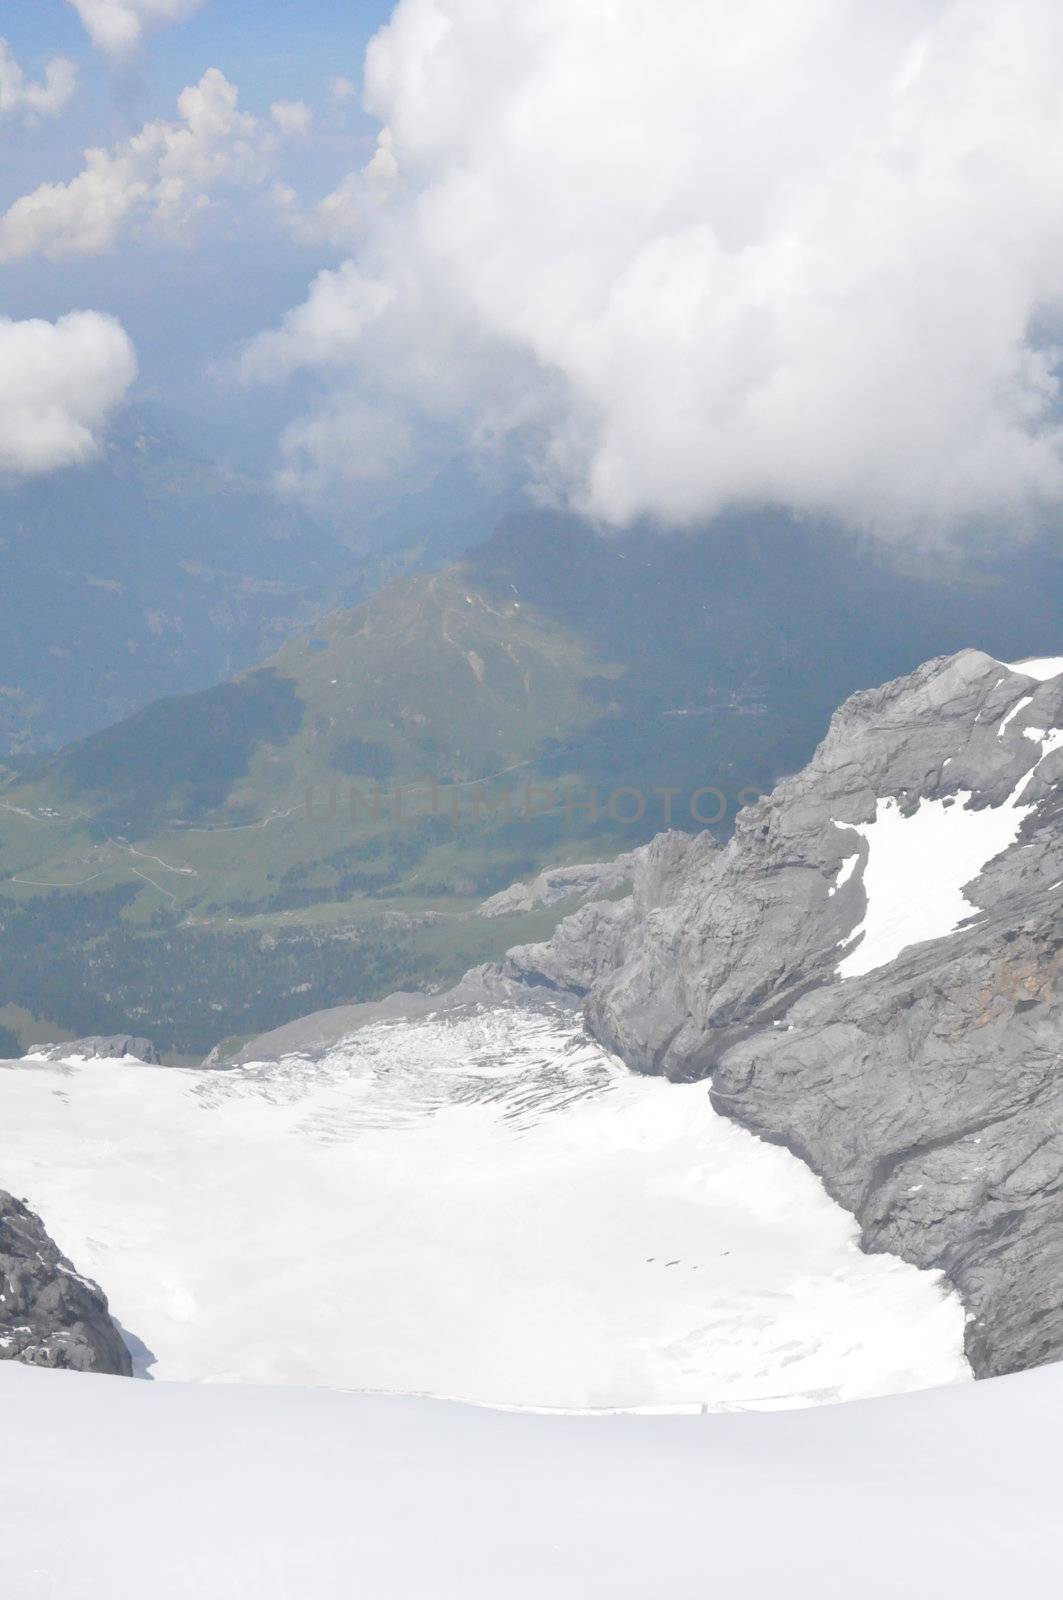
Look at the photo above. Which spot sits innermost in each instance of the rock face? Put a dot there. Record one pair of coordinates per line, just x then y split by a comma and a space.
594, 944
848, 1001
50, 1316
98, 1048
587, 882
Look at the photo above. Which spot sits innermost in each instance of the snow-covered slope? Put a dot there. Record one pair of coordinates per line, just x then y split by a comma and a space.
483, 1205
112, 1490
1040, 667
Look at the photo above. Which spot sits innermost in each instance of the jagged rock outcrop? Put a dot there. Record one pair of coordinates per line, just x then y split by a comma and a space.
595, 942
593, 880
50, 1316
924, 1087
115, 1047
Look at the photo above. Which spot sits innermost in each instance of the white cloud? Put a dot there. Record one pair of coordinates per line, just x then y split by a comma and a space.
21, 97
59, 383
164, 176
334, 220
342, 89
292, 117
695, 255
117, 26
346, 443
323, 332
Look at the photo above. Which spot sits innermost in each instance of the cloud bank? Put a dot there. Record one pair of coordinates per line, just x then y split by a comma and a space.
163, 177
698, 255
118, 26
21, 97
59, 383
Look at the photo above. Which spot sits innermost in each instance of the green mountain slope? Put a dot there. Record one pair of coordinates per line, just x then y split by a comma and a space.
321, 828
151, 572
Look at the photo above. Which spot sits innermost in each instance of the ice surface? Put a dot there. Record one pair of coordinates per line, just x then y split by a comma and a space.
487, 1207
117, 1490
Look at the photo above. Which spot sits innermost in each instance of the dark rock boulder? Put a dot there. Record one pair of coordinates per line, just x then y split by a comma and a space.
114, 1047
50, 1316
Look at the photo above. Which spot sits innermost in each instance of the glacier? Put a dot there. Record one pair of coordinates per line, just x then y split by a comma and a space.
485, 1206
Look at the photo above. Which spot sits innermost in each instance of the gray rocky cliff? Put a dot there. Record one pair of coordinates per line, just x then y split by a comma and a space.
926, 1091
50, 1316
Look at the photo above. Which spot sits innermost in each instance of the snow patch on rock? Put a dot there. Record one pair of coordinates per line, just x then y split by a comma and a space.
917, 868
1020, 705
1042, 667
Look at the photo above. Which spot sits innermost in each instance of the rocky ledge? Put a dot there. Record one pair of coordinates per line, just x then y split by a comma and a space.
50, 1316
592, 881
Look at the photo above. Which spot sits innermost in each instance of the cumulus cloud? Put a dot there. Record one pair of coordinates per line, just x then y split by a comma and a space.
698, 255
164, 176
59, 383
21, 97
323, 332
292, 117
333, 220
118, 26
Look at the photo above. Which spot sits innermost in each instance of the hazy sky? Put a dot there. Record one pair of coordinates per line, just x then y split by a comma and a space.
675, 257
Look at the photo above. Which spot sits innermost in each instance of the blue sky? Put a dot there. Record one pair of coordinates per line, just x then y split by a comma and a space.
260, 42
186, 308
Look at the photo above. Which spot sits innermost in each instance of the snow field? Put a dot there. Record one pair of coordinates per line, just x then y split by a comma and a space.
486, 1207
